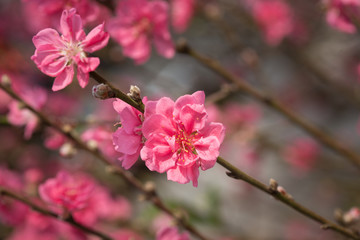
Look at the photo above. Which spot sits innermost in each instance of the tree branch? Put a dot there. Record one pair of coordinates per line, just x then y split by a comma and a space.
238, 174
150, 193
327, 140
44, 211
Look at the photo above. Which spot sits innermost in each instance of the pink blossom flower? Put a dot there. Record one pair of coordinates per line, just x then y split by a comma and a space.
59, 56
20, 116
12, 212
180, 139
341, 14
136, 23
100, 138
101, 206
70, 192
302, 153
181, 13
171, 233
128, 138
275, 19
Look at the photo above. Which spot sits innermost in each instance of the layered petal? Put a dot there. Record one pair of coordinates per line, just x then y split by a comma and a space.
96, 39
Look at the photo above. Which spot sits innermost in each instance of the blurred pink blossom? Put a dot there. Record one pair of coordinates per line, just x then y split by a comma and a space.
12, 212
59, 56
301, 153
100, 138
54, 139
20, 116
171, 233
45, 13
40, 227
341, 14
138, 22
128, 138
275, 19
180, 139
70, 192
181, 13
101, 206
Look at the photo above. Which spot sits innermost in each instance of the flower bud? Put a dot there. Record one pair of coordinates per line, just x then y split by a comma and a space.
135, 93
102, 91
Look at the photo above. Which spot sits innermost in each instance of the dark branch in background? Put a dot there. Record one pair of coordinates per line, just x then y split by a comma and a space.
151, 195
286, 199
44, 211
332, 143
148, 190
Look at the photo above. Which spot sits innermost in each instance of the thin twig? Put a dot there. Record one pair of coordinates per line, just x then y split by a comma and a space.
327, 140
150, 193
238, 174
44, 211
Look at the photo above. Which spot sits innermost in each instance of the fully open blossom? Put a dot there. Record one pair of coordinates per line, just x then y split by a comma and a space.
66, 191
181, 13
128, 138
341, 14
60, 56
137, 23
275, 19
20, 116
180, 139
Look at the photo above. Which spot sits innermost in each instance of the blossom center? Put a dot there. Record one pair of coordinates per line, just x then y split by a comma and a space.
143, 26
70, 50
184, 143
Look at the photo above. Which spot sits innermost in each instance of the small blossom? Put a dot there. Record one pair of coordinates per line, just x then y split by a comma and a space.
275, 19
137, 23
302, 154
128, 138
180, 139
20, 116
60, 56
341, 14
69, 192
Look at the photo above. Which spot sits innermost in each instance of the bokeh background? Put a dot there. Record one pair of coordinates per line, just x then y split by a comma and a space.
311, 69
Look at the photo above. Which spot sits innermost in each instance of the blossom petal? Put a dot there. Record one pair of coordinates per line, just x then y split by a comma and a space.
208, 151
184, 174
47, 36
71, 25
63, 79
157, 124
193, 120
96, 39
126, 143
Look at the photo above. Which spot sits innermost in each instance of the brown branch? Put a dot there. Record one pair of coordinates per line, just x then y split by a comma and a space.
238, 174
44, 211
327, 140
150, 193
